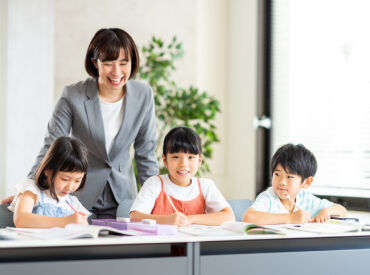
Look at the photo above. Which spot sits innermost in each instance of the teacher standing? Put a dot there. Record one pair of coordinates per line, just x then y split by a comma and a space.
109, 112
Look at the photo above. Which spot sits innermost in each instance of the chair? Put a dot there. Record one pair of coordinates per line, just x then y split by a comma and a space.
124, 207
239, 207
6, 216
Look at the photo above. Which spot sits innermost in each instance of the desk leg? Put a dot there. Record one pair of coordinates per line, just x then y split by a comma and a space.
190, 257
196, 258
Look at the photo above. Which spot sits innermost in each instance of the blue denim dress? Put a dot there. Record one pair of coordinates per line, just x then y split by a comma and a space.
50, 209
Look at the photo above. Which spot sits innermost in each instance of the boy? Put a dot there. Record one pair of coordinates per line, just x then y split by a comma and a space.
288, 201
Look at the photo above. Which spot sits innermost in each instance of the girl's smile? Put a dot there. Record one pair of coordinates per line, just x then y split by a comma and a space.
182, 167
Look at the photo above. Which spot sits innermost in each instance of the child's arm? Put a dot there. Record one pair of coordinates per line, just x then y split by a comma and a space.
258, 217
215, 218
23, 216
177, 218
324, 214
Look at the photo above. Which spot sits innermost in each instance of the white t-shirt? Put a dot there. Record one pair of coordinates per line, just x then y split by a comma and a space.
30, 185
112, 113
269, 202
151, 189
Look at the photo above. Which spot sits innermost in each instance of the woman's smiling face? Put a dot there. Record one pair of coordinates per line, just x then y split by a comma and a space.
114, 74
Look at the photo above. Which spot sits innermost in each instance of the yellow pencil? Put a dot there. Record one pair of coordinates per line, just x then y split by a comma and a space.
173, 206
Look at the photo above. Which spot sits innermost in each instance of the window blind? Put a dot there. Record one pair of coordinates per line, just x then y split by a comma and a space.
320, 87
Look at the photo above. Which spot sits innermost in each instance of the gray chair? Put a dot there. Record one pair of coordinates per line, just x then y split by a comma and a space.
239, 207
123, 209
6, 216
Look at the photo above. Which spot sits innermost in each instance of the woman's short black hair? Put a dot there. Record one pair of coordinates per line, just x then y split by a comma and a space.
182, 139
65, 154
295, 159
106, 45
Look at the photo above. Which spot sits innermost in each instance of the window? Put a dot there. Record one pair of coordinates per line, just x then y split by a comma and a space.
320, 88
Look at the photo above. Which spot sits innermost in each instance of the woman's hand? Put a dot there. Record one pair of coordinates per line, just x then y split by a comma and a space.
7, 200
80, 218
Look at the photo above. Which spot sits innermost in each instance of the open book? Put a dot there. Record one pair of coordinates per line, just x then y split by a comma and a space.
206, 230
329, 227
70, 231
252, 229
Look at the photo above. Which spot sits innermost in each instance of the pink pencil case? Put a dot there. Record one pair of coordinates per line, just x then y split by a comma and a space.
146, 229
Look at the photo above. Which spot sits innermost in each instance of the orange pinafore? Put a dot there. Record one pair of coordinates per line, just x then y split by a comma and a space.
162, 205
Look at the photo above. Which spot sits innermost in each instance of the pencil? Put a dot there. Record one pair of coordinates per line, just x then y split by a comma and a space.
173, 206
289, 198
71, 207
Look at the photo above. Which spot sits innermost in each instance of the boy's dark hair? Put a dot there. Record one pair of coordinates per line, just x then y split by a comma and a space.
65, 154
106, 45
182, 139
295, 159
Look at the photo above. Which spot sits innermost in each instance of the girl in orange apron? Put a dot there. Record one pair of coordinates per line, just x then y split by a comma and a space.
180, 198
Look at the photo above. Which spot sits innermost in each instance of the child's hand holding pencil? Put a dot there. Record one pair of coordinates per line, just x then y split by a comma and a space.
300, 216
177, 218
77, 217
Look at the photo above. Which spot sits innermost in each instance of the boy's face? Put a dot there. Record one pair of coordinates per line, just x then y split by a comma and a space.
285, 183
182, 167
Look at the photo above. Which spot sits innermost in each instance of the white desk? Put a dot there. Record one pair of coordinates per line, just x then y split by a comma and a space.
263, 254
336, 255
111, 255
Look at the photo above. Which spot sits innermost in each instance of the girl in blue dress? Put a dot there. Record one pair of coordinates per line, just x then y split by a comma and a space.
46, 201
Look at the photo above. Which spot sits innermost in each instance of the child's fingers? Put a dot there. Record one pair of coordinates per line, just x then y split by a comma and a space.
81, 213
181, 220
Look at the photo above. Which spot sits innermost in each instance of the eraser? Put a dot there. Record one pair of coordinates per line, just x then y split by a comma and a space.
123, 219
148, 221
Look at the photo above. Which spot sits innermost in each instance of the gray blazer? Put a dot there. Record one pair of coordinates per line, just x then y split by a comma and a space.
78, 113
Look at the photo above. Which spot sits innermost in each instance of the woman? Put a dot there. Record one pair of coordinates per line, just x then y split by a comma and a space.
108, 112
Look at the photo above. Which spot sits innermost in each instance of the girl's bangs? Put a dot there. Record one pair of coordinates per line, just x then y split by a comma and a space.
183, 145
73, 163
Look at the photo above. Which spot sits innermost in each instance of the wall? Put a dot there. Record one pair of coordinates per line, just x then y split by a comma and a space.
241, 100
29, 80
3, 89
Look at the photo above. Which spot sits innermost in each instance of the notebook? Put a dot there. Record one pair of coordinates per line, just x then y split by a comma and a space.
329, 227
70, 231
252, 229
206, 230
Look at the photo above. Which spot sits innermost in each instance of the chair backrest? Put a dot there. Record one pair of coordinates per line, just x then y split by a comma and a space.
6, 216
239, 207
124, 207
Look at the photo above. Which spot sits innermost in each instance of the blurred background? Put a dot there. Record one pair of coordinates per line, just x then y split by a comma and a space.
283, 71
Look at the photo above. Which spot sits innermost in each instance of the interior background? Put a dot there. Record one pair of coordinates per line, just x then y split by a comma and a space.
42, 48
